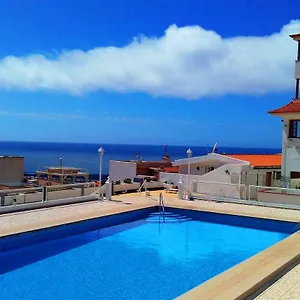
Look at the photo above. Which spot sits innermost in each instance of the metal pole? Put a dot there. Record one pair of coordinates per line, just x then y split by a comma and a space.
189, 173
100, 176
189, 153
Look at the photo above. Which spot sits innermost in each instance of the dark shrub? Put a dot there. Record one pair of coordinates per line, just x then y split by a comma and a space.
127, 180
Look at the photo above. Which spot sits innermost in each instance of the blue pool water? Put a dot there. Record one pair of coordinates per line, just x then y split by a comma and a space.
143, 259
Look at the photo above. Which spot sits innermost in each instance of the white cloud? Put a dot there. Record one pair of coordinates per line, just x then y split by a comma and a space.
38, 115
188, 62
103, 117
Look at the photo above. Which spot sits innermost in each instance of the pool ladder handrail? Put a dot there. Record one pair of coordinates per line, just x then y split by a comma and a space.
141, 187
161, 206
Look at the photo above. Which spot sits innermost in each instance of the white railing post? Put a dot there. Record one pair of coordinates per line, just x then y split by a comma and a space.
108, 188
180, 188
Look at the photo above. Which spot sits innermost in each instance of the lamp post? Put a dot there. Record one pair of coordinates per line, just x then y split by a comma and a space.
189, 153
101, 153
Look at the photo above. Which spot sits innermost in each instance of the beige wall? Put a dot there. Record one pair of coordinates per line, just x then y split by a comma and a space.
11, 169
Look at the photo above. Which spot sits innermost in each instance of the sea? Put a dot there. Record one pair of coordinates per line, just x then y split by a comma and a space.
38, 155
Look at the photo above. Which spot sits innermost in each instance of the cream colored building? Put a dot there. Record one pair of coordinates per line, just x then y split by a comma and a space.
290, 114
11, 172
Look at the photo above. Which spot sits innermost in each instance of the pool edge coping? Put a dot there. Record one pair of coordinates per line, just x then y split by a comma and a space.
243, 280
71, 220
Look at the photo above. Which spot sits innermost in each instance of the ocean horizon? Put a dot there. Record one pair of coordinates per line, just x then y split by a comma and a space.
85, 155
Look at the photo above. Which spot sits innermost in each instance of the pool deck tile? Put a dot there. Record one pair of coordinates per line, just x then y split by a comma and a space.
287, 287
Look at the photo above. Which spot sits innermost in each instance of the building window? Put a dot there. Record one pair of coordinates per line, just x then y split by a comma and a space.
295, 175
277, 175
294, 129
209, 169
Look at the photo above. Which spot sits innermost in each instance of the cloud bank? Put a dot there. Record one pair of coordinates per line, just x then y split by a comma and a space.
104, 117
186, 62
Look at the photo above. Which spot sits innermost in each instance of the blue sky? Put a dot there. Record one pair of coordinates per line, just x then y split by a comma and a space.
189, 72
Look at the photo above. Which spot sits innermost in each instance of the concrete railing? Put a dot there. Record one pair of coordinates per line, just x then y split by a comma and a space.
135, 186
42, 194
211, 189
274, 194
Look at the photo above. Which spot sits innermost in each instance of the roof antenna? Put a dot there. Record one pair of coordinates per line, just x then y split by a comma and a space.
215, 149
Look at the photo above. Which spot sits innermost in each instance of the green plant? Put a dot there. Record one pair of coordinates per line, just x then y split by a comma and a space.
117, 182
127, 180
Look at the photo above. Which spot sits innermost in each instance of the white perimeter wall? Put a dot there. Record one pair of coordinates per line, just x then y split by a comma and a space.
202, 183
119, 170
276, 197
55, 195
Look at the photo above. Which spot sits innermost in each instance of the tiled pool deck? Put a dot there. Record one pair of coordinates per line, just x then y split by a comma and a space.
224, 286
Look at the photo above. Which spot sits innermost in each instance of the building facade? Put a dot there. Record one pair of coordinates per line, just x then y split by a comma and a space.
11, 172
290, 114
120, 170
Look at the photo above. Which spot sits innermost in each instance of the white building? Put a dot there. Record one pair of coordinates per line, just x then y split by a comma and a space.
249, 169
216, 175
121, 169
290, 115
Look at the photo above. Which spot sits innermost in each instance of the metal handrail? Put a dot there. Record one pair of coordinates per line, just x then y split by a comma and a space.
140, 189
161, 206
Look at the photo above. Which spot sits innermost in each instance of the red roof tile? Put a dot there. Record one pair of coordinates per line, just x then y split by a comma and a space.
260, 160
292, 107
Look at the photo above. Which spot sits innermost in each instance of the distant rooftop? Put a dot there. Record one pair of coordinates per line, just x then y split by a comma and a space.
259, 160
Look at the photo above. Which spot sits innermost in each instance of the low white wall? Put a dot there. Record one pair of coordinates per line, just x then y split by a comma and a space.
207, 184
89, 191
119, 170
278, 198
126, 187
52, 195
212, 189
64, 194
36, 205
153, 185
23, 198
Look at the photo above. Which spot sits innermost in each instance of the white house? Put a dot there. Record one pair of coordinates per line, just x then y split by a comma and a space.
254, 169
290, 114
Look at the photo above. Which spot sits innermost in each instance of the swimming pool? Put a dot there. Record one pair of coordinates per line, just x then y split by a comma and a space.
140, 257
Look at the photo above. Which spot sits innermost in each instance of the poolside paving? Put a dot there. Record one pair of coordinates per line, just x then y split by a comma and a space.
287, 287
